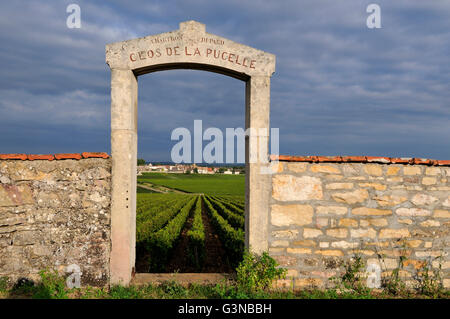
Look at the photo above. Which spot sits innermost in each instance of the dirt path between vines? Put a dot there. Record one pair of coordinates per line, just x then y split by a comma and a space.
215, 261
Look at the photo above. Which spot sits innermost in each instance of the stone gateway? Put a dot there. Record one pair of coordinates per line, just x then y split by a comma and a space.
190, 47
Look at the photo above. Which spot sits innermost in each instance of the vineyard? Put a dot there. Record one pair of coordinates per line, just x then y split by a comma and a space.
189, 232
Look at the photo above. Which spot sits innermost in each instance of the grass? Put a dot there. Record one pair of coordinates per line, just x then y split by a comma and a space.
262, 270
198, 183
225, 290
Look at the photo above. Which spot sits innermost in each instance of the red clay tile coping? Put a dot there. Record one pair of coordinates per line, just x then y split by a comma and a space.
359, 159
51, 157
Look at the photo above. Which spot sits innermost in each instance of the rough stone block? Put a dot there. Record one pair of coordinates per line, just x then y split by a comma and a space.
331, 210
363, 233
413, 212
411, 170
390, 200
339, 186
337, 232
311, 233
429, 180
374, 170
290, 188
440, 213
286, 215
377, 186
298, 250
366, 211
394, 233
348, 222
318, 168
357, 196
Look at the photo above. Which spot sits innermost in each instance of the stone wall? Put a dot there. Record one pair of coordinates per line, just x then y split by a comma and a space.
326, 210
54, 212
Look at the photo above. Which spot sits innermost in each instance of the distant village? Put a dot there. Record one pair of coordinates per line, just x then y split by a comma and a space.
188, 169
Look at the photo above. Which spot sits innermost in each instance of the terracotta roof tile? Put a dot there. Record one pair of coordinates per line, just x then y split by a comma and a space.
359, 159
51, 157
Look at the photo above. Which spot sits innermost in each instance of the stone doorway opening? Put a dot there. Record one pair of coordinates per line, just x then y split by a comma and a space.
190, 101
190, 47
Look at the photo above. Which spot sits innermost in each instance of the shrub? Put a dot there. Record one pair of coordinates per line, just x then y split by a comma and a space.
52, 286
257, 272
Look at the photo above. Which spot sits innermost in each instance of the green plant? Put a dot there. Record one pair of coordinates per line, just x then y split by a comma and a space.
120, 292
52, 286
352, 279
4, 284
233, 239
393, 284
162, 242
257, 272
173, 290
196, 237
429, 282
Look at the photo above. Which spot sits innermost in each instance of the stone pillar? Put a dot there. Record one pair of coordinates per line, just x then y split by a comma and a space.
257, 179
124, 90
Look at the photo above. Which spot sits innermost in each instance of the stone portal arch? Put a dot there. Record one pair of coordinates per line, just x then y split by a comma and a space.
190, 47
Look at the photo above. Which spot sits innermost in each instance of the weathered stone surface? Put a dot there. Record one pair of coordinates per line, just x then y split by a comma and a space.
285, 261
394, 233
412, 212
306, 242
357, 196
432, 171
329, 252
390, 200
440, 213
377, 222
289, 188
321, 222
446, 202
297, 167
363, 232
344, 244
298, 250
339, 186
429, 180
377, 186
392, 170
280, 243
57, 213
290, 233
366, 211
308, 283
423, 199
15, 195
331, 210
311, 232
411, 170
286, 215
319, 168
430, 223
374, 170
337, 232
348, 222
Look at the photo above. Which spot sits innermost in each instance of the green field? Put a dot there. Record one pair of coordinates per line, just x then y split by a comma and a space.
198, 183
171, 220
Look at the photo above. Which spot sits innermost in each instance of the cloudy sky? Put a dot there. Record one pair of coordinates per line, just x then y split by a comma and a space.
340, 88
